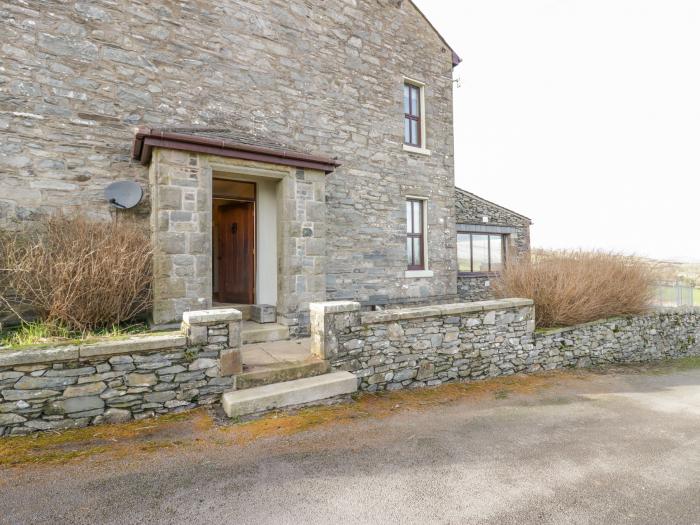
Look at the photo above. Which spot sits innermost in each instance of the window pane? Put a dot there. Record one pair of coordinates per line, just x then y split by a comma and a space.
417, 249
409, 220
409, 251
496, 253
415, 101
406, 95
414, 133
417, 217
464, 252
480, 253
406, 131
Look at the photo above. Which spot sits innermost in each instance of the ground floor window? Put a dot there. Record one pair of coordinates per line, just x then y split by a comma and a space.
480, 252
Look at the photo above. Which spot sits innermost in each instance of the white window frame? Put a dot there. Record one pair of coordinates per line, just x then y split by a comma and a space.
423, 150
426, 271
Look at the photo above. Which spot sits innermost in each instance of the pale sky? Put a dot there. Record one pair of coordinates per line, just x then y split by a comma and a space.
583, 115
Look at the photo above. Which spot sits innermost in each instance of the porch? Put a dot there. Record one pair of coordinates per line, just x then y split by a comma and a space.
235, 222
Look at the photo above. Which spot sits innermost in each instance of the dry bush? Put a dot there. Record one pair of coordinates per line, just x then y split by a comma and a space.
77, 272
572, 287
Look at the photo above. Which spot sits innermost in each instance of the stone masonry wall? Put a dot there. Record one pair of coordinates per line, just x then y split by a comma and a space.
470, 212
472, 288
430, 346
76, 386
326, 77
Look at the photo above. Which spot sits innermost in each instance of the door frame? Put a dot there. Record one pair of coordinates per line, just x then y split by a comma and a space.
254, 237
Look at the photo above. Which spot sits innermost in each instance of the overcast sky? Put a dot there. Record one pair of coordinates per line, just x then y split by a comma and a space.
583, 115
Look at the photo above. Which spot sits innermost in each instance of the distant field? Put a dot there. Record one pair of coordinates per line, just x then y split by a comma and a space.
667, 295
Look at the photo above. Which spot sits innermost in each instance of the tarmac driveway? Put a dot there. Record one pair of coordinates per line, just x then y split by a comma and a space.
580, 447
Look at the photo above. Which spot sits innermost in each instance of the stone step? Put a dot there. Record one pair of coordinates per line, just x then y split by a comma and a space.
243, 308
290, 393
263, 333
278, 373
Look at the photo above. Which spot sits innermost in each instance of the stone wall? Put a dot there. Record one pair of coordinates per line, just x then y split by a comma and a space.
323, 77
472, 288
471, 210
76, 386
429, 346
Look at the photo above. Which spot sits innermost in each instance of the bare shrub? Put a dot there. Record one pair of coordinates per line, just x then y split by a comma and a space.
572, 287
77, 272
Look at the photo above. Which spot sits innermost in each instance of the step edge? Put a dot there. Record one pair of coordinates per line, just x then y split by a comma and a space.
296, 384
293, 366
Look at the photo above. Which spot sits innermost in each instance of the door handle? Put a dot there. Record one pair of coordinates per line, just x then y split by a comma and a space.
234, 228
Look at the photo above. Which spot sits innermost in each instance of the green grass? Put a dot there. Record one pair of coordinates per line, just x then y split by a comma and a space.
668, 294
41, 333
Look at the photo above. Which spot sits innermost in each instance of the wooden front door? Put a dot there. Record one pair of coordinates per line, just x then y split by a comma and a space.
237, 253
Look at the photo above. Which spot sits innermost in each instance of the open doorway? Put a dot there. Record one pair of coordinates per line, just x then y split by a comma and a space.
233, 246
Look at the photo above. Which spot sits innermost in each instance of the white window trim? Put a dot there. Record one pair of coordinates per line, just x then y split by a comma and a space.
426, 272
423, 128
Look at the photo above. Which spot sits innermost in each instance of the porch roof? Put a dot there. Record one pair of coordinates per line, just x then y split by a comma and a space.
225, 143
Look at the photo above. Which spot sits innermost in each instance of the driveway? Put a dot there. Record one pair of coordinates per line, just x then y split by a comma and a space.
572, 447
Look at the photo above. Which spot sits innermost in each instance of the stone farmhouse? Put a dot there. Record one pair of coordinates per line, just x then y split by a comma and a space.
291, 151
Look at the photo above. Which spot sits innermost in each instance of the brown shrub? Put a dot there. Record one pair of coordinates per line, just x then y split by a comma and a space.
572, 287
77, 272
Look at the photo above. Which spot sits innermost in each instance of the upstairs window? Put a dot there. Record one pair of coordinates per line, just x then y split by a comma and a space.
413, 113
480, 252
415, 238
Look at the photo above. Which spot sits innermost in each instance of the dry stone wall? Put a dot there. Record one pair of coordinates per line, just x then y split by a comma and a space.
76, 386
434, 345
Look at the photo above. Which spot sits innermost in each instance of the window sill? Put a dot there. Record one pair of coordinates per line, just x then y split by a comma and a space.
419, 151
478, 274
415, 274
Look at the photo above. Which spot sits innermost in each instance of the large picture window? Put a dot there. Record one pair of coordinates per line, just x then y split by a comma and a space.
480, 252
415, 246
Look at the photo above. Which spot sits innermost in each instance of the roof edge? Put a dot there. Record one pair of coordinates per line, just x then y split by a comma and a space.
145, 139
456, 60
493, 204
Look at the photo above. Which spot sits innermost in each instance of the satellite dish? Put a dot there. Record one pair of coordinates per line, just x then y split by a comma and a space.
124, 194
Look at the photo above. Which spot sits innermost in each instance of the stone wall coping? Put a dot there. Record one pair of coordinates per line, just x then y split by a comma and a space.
105, 348
32, 356
217, 315
133, 345
443, 309
335, 307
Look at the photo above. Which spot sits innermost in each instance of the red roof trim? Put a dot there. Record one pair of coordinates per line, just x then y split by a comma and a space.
145, 139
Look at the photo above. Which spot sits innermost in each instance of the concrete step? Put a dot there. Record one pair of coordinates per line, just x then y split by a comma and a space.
243, 308
263, 333
289, 393
280, 372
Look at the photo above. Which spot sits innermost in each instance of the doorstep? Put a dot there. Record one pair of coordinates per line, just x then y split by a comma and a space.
252, 332
267, 363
